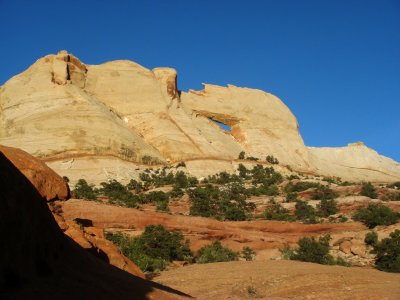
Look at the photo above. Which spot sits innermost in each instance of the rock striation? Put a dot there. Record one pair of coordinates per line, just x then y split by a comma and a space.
61, 109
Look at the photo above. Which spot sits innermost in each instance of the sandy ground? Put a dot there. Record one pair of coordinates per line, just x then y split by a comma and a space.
281, 280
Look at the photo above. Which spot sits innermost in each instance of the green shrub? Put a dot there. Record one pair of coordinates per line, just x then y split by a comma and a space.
391, 197
134, 185
66, 179
375, 215
322, 192
148, 160
242, 171
248, 253
162, 205
154, 248
287, 252
272, 160
241, 155
368, 190
215, 253
181, 180
388, 253
275, 211
229, 204
300, 186
181, 164
341, 262
159, 198
371, 238
291, 197
252, 158
176, 192
327, 208
118, 194
305, 213
83, 190
313, 250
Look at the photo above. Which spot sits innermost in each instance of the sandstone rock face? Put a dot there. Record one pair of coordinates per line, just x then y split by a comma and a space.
354, 161
50, 185
60, 109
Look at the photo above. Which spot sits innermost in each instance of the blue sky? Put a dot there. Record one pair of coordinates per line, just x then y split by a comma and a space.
336, 64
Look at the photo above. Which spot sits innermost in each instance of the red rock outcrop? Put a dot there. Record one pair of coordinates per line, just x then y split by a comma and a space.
47, 182
37, 261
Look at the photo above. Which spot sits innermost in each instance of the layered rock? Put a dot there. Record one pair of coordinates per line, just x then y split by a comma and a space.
60, 109
354, 161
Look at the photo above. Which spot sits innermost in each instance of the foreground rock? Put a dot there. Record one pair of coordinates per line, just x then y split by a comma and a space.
49, 184
37, 261
61, 109
282, 280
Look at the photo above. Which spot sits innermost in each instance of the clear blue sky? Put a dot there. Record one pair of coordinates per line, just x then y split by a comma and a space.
336, 64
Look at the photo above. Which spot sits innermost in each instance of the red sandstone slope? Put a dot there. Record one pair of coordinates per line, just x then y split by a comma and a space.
47, 182
37, 261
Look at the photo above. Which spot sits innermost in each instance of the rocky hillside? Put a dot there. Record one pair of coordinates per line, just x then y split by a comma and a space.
105, 120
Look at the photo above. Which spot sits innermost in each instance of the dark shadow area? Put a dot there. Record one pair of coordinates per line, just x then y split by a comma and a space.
83, 222
37, 261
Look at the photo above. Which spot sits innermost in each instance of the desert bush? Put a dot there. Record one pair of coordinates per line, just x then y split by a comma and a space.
313, 250
83, 190
180, 164
391, 197
242, 171
252, 158
272, 160
162, 206
368, 190
118, 194
135, 185
341, 262
181, 180
388, 253
228, 204
224, 178
327, 208
371, 238
291, 197
241, 155
215, 253
323, 192
300, 186
154, 248
154, 197
248, 253
287, 252
66, 179
275, 211
176, 192
375, 215
305, 213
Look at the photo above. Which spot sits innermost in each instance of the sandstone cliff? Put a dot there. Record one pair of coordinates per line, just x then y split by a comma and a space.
104, 120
